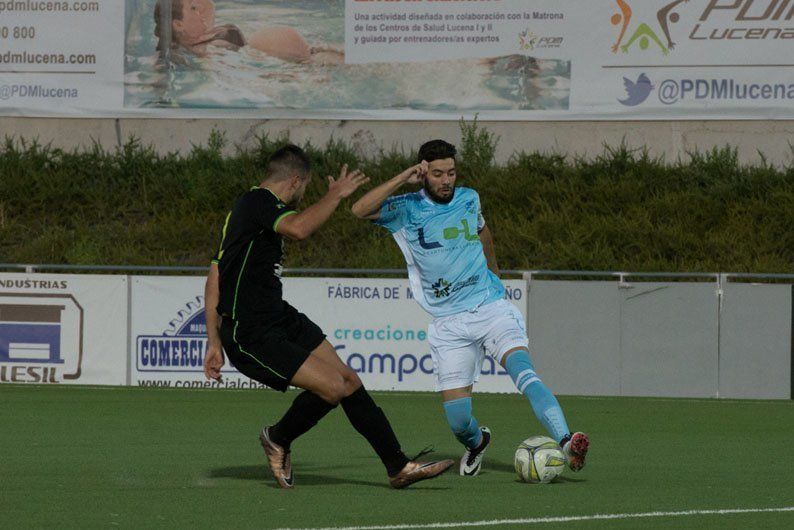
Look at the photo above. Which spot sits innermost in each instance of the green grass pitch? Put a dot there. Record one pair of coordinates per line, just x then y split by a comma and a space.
138, 458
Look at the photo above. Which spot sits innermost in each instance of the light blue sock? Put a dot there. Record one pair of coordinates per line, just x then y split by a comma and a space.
546, 407
462, 423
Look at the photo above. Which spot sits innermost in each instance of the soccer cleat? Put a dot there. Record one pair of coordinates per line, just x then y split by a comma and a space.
575, 450
471, 462
415, 471
278, 459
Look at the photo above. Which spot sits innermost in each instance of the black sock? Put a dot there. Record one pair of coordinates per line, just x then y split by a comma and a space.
370, 421
304, 413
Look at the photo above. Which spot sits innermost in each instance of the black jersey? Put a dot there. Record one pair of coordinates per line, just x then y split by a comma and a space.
249, 258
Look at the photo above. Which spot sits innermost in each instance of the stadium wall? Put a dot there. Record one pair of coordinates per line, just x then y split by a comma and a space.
623, 338
756, 140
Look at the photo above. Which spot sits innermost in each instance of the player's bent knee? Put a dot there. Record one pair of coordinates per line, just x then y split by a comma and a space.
335, 389
352, 381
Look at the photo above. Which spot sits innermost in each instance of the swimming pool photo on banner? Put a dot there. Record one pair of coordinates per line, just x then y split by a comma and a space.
276, 54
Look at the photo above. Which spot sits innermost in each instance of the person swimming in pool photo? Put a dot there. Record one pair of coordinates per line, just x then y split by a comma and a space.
193, 28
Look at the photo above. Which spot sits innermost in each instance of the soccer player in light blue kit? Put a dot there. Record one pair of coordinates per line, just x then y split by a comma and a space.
454, 276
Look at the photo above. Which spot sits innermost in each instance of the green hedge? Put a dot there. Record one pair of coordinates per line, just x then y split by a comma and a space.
622, 210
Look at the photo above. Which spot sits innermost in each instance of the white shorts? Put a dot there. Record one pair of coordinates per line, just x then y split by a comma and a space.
459, 342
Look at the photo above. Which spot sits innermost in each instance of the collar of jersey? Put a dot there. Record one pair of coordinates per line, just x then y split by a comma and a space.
424, 195
268, 189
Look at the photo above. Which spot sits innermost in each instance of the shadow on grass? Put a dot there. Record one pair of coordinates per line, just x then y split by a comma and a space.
302, 478
504, 467
488, 465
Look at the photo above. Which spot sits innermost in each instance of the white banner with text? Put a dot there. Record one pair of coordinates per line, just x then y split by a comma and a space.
63, 329
399, 59
374, 324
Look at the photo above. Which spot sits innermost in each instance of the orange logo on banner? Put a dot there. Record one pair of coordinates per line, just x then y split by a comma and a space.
644, 34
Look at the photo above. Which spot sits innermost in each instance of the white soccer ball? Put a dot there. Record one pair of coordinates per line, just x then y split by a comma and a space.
539, 460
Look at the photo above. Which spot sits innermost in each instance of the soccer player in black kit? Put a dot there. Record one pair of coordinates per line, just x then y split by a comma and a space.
269, 341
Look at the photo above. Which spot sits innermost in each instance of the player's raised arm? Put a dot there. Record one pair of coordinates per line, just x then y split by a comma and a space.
302, 225
368, 206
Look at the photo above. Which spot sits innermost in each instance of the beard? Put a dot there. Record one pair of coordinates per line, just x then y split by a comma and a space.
437, 198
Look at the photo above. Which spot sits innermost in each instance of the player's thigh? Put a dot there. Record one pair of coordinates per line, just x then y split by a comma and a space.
456, 393
503, 330
327, 353
258, 353
321, 377
322, 370
457, 360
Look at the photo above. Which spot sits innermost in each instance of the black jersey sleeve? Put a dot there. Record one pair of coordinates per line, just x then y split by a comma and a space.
216, 257
263, 209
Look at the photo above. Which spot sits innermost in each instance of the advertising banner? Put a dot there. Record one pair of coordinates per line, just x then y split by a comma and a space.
399, 59
63, 329
168, 335
375, 325
380, 331
61, 57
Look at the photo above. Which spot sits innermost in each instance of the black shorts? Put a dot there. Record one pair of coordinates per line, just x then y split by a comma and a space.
273, 350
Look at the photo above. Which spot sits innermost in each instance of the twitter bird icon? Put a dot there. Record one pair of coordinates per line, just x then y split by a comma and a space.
637, 91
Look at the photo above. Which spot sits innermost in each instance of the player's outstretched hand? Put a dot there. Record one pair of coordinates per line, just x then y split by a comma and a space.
213, 361
414, 174
347, 183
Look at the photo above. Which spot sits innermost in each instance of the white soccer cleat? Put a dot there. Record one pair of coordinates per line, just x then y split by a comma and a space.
471, 462
575, 450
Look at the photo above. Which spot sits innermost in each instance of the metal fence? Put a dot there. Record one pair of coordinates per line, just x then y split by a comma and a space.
626, 333
529, 275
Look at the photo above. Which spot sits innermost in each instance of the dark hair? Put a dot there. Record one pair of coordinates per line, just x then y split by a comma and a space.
288, 161
436, 150
176, 14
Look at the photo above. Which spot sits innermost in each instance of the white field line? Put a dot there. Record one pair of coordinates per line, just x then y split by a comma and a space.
561, 519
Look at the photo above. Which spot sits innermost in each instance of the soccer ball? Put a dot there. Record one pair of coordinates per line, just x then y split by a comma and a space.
539, 460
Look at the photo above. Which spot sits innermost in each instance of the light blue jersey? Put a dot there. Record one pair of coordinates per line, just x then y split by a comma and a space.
447, 269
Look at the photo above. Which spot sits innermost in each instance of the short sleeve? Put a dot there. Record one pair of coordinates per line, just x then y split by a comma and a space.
264, 209
216, 258
480, 218
393, 213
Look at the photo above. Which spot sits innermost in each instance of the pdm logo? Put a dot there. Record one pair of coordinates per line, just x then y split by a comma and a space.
645, 33
41, 338
529, 40
180, 347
